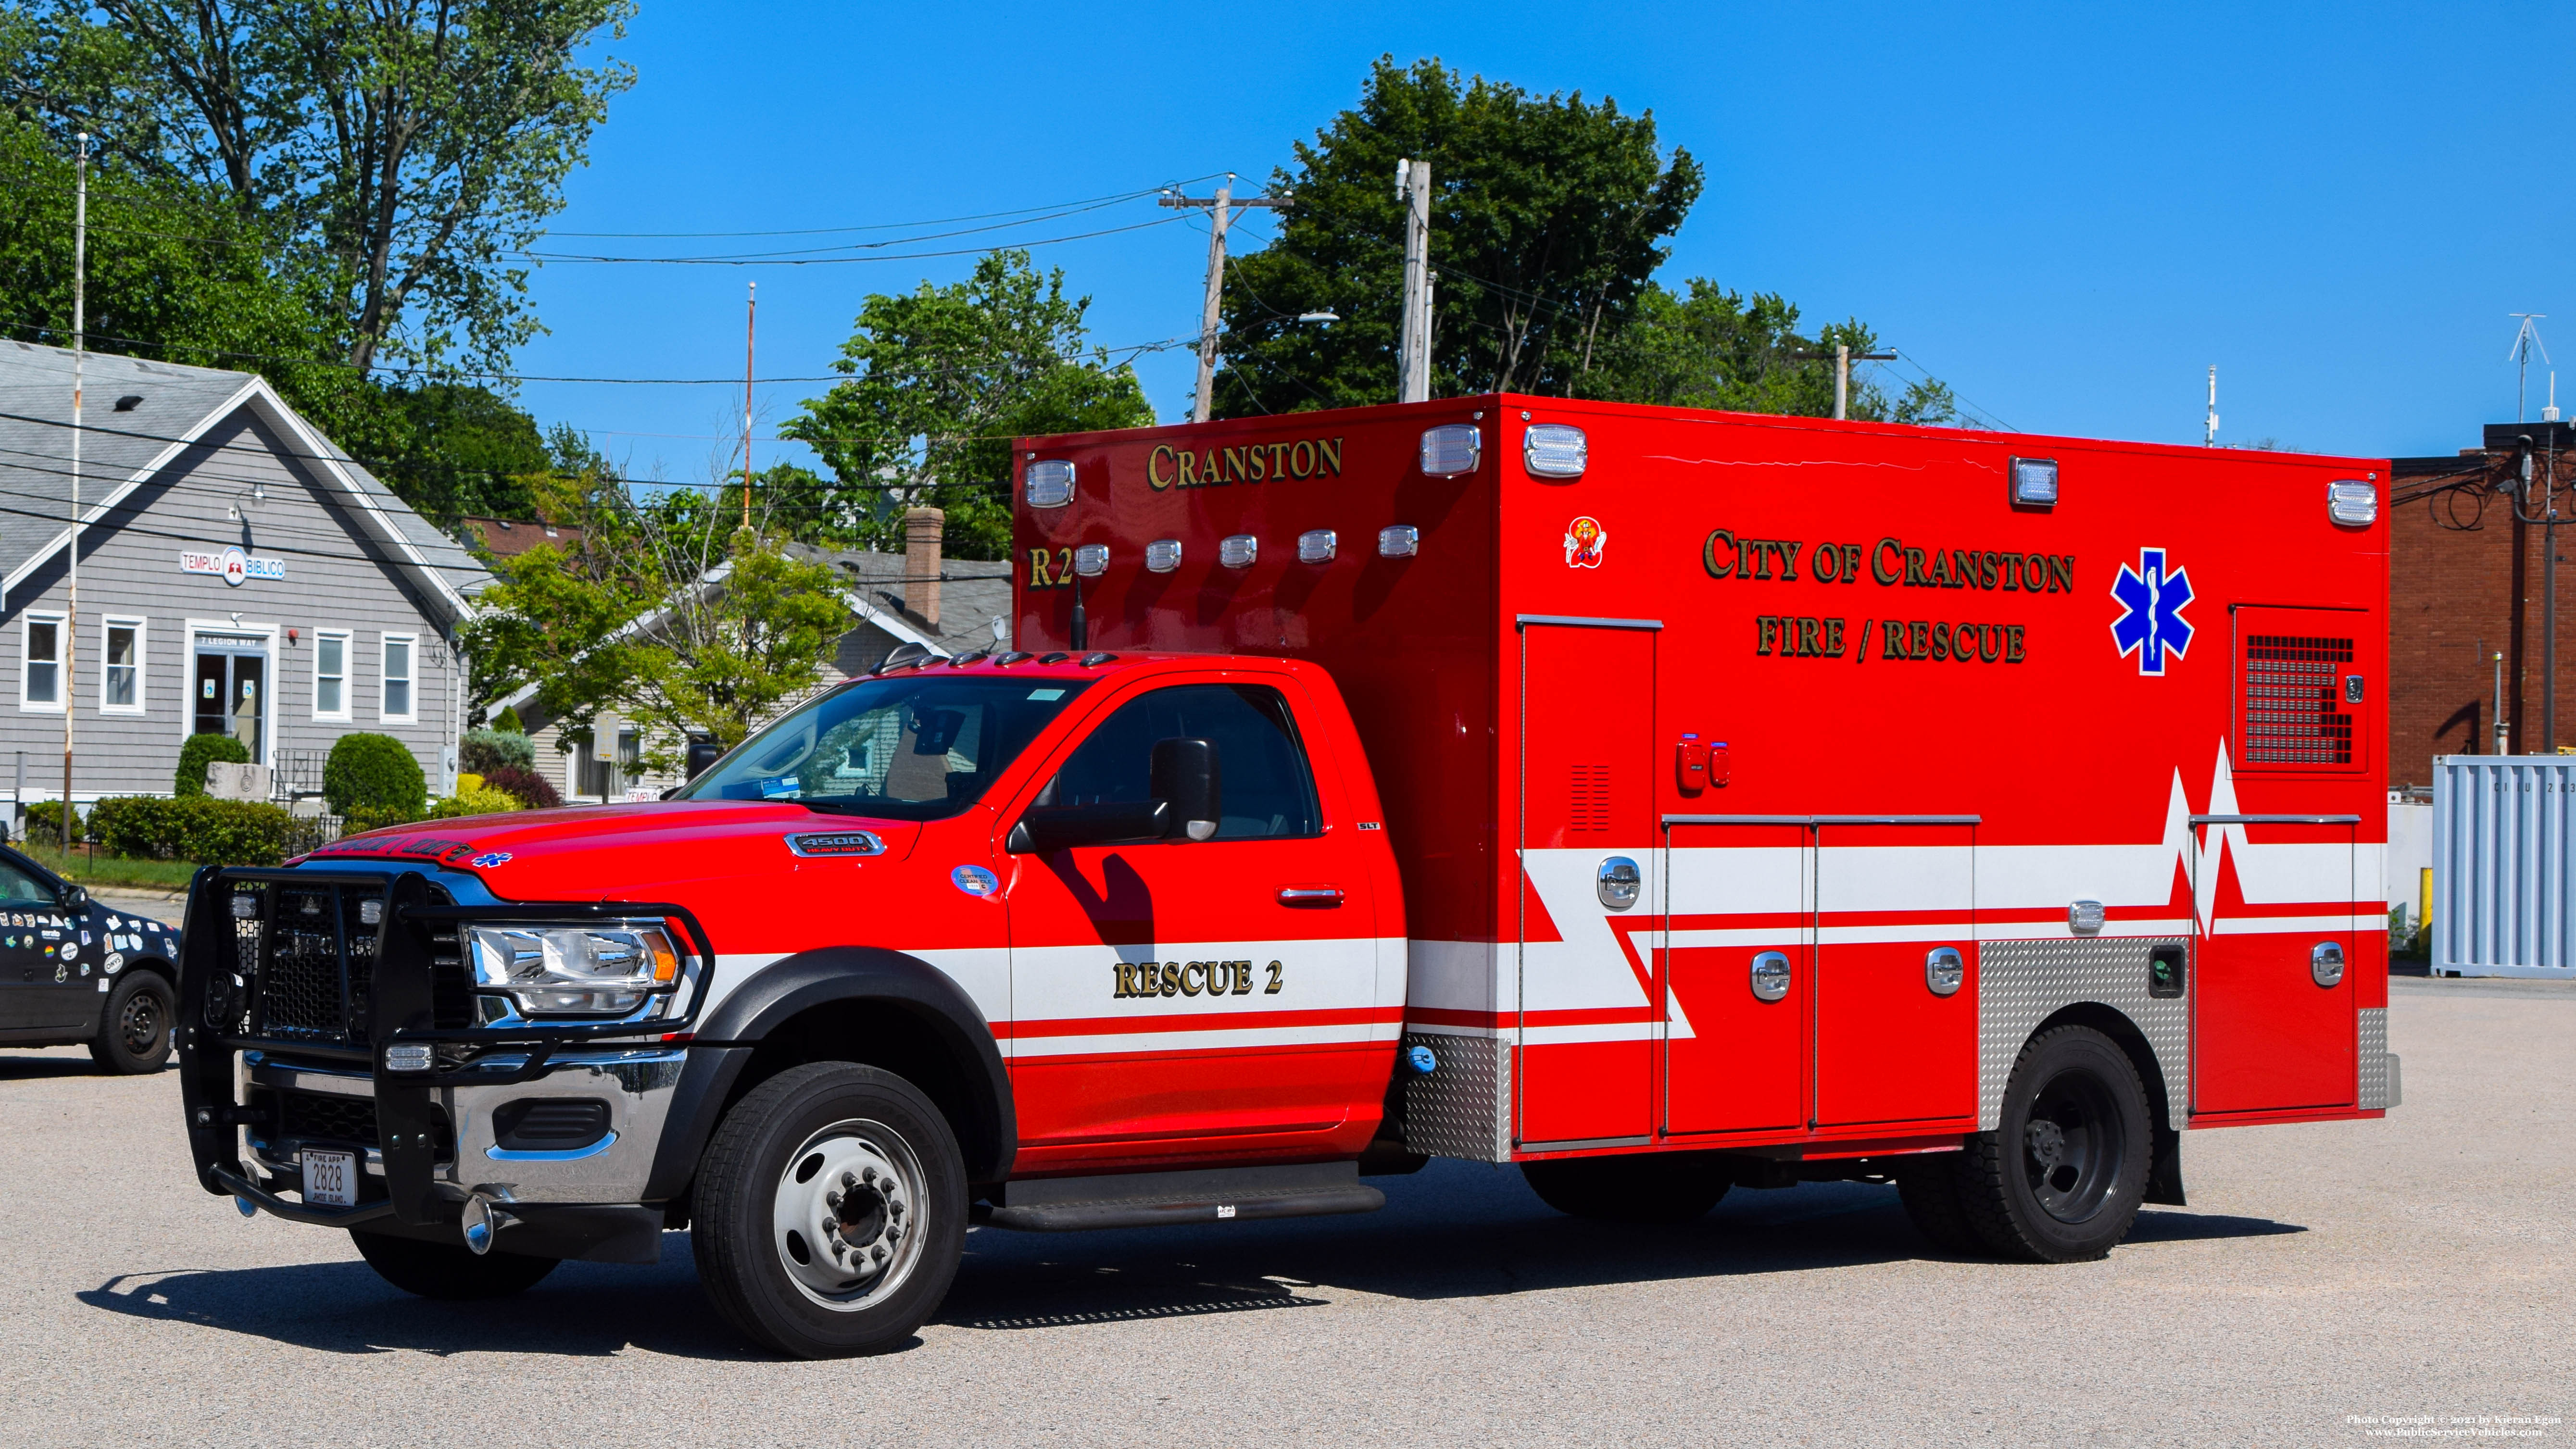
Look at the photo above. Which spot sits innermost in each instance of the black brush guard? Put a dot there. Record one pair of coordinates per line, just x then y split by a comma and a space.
221, 1014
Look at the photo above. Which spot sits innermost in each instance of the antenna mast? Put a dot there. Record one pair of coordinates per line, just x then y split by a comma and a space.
2209, 439
2525, 341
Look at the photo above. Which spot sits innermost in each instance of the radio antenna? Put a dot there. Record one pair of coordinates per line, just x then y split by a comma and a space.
2525, 342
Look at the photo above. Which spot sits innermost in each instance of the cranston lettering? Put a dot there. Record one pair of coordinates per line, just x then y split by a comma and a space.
1169, 467
1891, 562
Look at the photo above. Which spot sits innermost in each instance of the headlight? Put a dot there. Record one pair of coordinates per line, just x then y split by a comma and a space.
609, 969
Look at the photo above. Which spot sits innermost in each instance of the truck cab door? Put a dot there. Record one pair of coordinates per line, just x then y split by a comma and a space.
1179, 998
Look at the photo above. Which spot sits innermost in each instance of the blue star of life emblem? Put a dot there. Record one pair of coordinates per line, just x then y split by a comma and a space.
2151, 602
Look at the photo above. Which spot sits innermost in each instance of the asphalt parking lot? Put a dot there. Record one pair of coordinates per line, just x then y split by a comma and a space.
2419, 1266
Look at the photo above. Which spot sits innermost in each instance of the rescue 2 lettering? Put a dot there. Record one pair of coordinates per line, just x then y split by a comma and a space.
1191, 978
1891, 562
1170, 467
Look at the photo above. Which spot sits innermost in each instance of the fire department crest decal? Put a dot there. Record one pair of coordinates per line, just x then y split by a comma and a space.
2151, 600
1584, 540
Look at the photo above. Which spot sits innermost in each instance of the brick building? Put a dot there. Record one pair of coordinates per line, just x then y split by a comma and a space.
2466, 583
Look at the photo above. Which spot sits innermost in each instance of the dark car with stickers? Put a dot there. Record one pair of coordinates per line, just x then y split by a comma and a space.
74, 972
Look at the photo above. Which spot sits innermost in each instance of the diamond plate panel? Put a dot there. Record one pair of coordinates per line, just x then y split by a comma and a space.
1464, 1108
2022, 983
2374, 1059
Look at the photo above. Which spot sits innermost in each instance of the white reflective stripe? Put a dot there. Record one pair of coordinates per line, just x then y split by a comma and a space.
1233, 1039
2275, 925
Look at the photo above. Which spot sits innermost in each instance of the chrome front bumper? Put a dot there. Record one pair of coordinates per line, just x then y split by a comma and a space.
637, 1084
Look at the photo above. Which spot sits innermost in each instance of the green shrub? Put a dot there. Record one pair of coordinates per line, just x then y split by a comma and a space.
376, 777
508, 723
198, 828
475, 800
45, 822
361, 820
531, 789
483, 751
201, 751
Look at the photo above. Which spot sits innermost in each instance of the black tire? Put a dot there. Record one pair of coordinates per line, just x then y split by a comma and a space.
2061, 1178
449, 1271
134, 1031
1661, 1187
1929, 1188
821, 1143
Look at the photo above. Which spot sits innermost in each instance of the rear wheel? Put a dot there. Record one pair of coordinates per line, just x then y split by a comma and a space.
2061, 1178
1659, 1187
1929, 1188
134, 1032
448, 1271
830, 1211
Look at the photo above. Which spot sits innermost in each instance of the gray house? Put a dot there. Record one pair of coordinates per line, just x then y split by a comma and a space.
238, 574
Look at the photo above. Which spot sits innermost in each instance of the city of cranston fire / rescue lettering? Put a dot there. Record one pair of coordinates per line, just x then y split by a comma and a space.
1216, 467
1891, 563
1191, 978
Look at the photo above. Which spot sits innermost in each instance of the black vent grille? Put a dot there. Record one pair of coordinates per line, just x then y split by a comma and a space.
306, 957
324, 1117
2293, 698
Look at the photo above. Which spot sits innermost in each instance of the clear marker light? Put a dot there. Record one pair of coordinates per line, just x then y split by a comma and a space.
1450, 450
1554, 450
2034, 482
1048, 483
2351, 502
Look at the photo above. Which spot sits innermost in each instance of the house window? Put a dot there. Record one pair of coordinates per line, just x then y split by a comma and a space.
121, 667
40, 654
399, 649
331, 674
605, 779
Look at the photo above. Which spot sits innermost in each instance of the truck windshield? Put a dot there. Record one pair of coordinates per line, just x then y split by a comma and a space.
914, 747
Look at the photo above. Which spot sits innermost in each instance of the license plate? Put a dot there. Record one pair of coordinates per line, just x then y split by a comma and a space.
330, 1178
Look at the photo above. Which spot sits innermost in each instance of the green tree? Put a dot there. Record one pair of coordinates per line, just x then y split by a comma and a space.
1548, 215
670, 613
940, 380
405, 152
1712, 348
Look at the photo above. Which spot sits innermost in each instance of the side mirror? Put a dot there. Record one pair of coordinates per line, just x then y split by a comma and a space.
702, 753
75, 899
1047, 828
1186, 776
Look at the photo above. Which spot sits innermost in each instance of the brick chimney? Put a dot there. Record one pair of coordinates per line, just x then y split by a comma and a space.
921, 529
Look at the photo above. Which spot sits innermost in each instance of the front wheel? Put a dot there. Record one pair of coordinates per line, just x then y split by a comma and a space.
830, 1211
2061, 1178
134, 1031
1660, 1187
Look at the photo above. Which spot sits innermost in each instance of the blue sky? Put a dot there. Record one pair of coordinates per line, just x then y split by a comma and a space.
2068, 214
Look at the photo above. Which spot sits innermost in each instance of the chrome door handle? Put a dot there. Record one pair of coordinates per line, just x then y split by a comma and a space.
1310, 895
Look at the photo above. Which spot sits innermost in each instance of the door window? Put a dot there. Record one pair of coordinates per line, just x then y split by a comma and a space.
1269, 792
18, 888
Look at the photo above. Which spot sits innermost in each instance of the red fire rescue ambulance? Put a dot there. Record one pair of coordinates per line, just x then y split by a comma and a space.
1661, 801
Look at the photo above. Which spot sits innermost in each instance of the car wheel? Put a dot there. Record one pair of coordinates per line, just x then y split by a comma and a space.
1928, 1186
830, 1211
1646, 1188
449, 1271
2061, 1178
134, 1032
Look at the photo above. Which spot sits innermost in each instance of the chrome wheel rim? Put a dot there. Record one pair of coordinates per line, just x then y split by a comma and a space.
846, 1219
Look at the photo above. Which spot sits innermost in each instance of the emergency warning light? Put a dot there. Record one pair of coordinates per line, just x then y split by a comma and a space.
1163, 555
1316, 545
1449, 450
1400, 540
1238, 550
2034, 482
1048, 484
1091, 560
2352, 502
1553, 450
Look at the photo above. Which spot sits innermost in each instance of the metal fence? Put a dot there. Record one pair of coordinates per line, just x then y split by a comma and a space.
2502, 829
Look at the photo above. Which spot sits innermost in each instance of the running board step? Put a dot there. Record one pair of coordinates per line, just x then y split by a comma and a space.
1164, 1199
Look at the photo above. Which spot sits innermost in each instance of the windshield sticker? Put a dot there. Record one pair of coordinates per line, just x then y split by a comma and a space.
783, 785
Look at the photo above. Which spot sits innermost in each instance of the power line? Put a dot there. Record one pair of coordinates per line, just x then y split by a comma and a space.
761, 260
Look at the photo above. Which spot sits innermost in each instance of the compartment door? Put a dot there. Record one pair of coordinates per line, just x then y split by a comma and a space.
1738, 972
1589, 1009
2270, 1032
1896, 981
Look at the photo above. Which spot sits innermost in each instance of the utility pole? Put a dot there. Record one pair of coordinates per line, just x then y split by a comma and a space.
1844, 357
68, 650
2209, 438
750, 320
1221, 208
2502, 741
2546, 517
1413, 335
